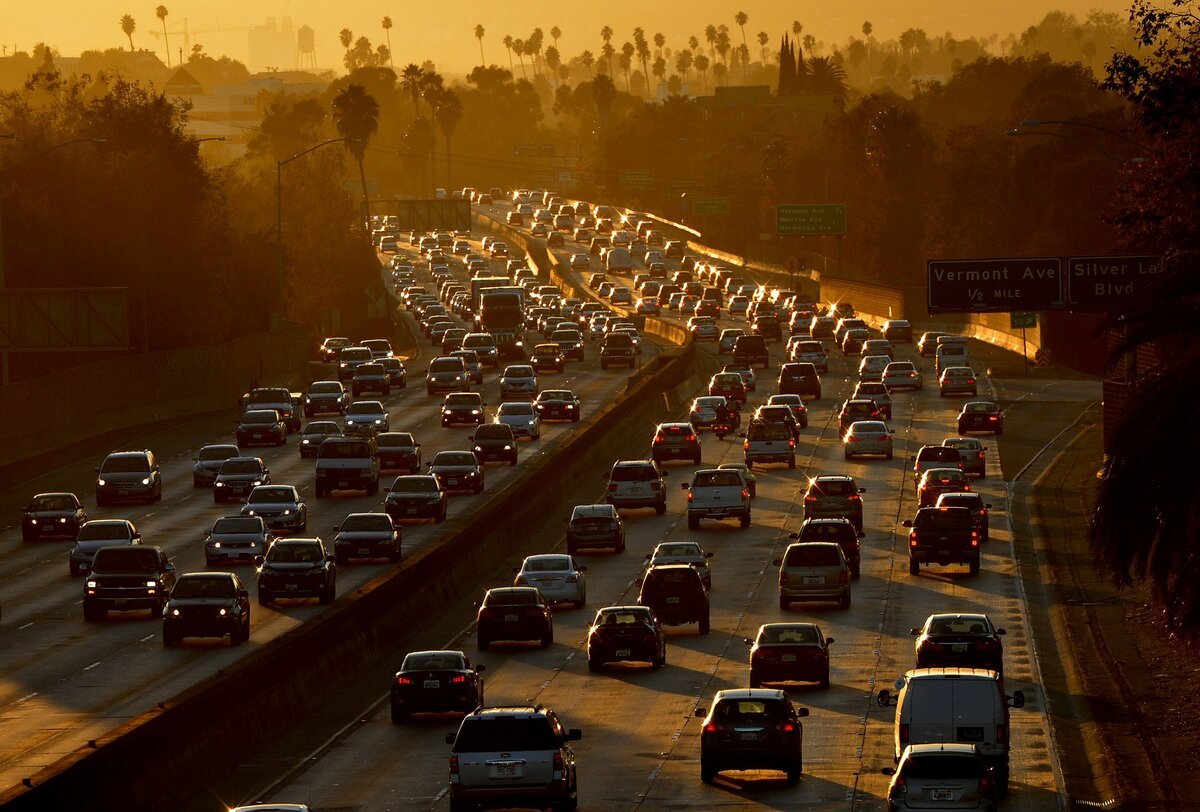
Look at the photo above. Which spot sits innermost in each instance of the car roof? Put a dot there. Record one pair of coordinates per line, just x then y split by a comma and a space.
749, 693
604, 511
952, 672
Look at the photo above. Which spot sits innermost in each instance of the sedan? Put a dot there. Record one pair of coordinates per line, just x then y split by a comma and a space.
789, 652
435, 682
981, 416
937, 481
558, 577
868, 437
414, 497
238, 475
236, 539
313, 433
902, 375
957, 381
518, 380
457, 470
626, 634
959, 641
366, 417
728, 385
513, 613
728, 338
704, 410
366, 535
463, 407
971, 451
99, 533
558, 404
398, 451
592, 526
681, 552
280, 506
522, 418
748, 377
52, 515
209, 461
647, 306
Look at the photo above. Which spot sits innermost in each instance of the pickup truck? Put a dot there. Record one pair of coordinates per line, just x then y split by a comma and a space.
943, 536
618, 349
717, 493
131, 576
279, 399
345, 463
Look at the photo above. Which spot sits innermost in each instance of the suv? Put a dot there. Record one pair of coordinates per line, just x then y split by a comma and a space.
935, 456
618, 349
95, 535
841, 532
447, 373
371, 377
854, 410
751, 350
325, 396
751, 729
834, 496
132, 475
127, 577
676, 441
593, 526
513, 756
297, 568
513, 613
366, 535
637, 484
495, 441
814, 571
347, 463
676, 594
207, 604
800, 378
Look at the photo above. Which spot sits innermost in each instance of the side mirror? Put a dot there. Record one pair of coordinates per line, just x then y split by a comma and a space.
889, 771
1018, 699
747, 641
862, 490
987, 505
137, 536
582, 569
708, 555
170, 567
828, 641
330, 559
906, 523
416, 445
793, 536
802, 712
244, 594
97, 470
778, 562
647, 556
914, 630
884, 698
701, 713
683, 486
741, 434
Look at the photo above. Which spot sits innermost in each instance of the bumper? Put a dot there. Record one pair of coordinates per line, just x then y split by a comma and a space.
393, 463
769, 457
291, 522
209, 627
822, 593
943, 557
453, 418
959, 390
285, 588
323, 407
640, 652
718, 513
676, 453
434, 701
50, 529
128, 493
558, 414
122, 603
518, 630
423, 511
247, 554
539, 797
364, 549
344, 480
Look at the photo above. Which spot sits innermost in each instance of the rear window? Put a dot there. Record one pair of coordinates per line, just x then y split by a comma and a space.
938, 454
424, 484
671, 580
834, 487
395, 440
439, 661
760, 431
717, 479
943, 519
944, 766
505, 733
750, 710
812, 556
633, 473
827, 532
518, 598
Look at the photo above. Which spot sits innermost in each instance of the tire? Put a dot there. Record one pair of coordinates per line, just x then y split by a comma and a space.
235, 635
792, 461
824, 681
320, 492
888, 456
696, 459
855, 571
512, 462
745, 521
914, 567
693, 522
572, 549
373, 488
441, 517
482, 642
704, 624
708, 772
479, 488
400, 717
973, 567
394, 556
784, 603
659, 510
753, 491
844, 603
593, 665
264, 598
548, 638
793, 775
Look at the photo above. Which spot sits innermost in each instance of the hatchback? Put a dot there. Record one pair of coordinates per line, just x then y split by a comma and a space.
941, 776
751, 729
868, 437
675, 441
959, 641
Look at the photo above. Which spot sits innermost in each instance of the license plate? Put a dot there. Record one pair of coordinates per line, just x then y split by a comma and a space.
291, 587
364, 550
510, 618
119, 602
343, 484
814, 579
411, 512
504, 771
749, 737
432, 683
451, 481
673, 600
789, 658
622, 652
943, 795
256, 436
960, 648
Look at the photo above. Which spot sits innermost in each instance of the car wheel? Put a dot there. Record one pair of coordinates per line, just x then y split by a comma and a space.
973, 567
824, 681
170, 639
482, 642
844, 602
264, 597
745, 521
693, 522
704, 624
855, 572
793, 774
593, 665
914, 567
235, 634
441, 517
571, 548
659, 510
400, 717
792, 461
394, 555
784, 603
708, 771
547, 639
888, 456
196, 483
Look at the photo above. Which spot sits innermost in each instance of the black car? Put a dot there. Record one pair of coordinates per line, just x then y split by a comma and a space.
495, 441
207, 604
514, 613
789, 652
973, 502
547, 356
371, 377
128, 475
314, 433
238, 476
297, 568
463, 407
558, 404
261, 427
126, 577
768, 327
834, 496
416, 496
751, 350
436, 682
675, 441
751, 729
841, 532
594, 526
857, 409
366, 535
676, 594
959, 641
457, 470
52, 515
325, 397
800, 378
398, 451
981, 415
626, 633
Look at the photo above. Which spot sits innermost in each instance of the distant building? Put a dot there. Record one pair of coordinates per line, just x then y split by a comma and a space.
274, 46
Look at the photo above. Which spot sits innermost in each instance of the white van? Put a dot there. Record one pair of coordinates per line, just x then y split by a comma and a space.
955, 705
618, 260
954, 353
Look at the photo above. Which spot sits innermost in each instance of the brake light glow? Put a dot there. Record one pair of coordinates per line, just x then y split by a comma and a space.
810, 499
403, 681
558, 762
1001, 733
454, 765
986, 787
711, 727
904, 734
783, 578
912, 539
844, 577
854, 497
459, 680
745, 493
787, 727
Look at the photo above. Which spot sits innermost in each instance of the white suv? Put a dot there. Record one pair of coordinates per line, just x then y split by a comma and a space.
637, 484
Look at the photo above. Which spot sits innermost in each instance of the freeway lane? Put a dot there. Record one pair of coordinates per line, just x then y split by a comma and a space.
640, 746
65, 682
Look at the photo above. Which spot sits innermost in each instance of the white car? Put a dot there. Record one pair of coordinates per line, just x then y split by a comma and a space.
871, 368
366, 417
580, 261
518, 380
522, 418
557, 577
902, 375
748, 378
738, 305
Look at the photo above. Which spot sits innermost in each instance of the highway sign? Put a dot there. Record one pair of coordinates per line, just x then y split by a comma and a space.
427, 215
64, 319
710, 205
637, 179
810, 219
1019, 320
533, 150
995, 285
1110, 283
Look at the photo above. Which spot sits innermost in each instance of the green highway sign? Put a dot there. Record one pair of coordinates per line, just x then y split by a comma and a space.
534, 150
1022, 319
637, 179
810, 219
710, 205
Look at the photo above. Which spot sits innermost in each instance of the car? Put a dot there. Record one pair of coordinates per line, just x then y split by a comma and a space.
867, 437
705, 331
637, 484
261, 427
548, 356
751, 729
854, 410
558, 404
675, 441
570, 342
942, 776
522, 418
458, 470
495, 441
236, 539
703, 413
751, 349
814, 571
876, 391
474, 367
397, 450
839, 531
96, 534
518, 380
767, 326
789, 652
748, 377
207, 604
52, 515
936, 481
513, 756
972, 454
981, 416
738, 306
280, 506
973, 502
717, 494
448, 373
952, 640
799, 378
238, 475
811, 352
895, 330
463, 407
878, 346
126, 577
681, 552
853, 340
516, 613
778, 413
728, 338
297, 568
371, 377
795, 403
871, 367
452, 340
596, 280
676, 594
934, 456
902, 375
414, 497
128, 476
595, 526
558, 577
729, 385
331, 346
625, 634
834, 496
350, 358
647, 306
314, 433
366, 417
435, 682
486, 352
957, 381
366, 535
208, 462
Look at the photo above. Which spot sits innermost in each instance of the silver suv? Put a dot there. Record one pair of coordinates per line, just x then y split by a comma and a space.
517, 756
637, 484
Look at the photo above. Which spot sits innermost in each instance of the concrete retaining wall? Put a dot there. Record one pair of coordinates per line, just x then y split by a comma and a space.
46, 414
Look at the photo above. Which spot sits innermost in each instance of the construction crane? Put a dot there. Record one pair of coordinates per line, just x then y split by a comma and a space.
187, 33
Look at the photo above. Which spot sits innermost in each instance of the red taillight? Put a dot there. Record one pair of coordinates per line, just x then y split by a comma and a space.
980, 455
711, 727
844, 577
810, 499
745, 493
612, 488
660, 439
899, 786
572, 579
459, 680
983, 513
970, 380
854, 497
746, 446
986, 787
691, 438
974, 538
454, 765
1001, 733
791, 443
403, 681
993, 418
783, 578
904, 734
558, 762
487, 614
653, 486
787, 727
912, 539
689, 496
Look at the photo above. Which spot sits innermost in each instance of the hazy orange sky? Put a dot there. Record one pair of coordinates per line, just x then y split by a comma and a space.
443, 32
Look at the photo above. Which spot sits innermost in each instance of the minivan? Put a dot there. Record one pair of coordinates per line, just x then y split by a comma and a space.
953, 354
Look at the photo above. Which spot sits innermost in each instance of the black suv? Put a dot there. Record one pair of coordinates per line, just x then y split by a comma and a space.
127, 577
513, 613
857, 409
840, 532
751, 350
371, 377
495, 441
676, 441
296, 568
800, 378
513, 757
207, 604
752, 729
834, 497
676, 595
416, 496
128, 475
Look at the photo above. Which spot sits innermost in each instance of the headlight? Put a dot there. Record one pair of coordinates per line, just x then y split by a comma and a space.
304, 442
343, 365
175, 613
217, 545
479, 448
474, 411
61, 520
379, 422
287, 511
256, 482
146, 481
457, 378
152, 584
218, 484
508, 448
101, 482
445, 411
249, 512
91, 584
222, 613
33, 521
531, 422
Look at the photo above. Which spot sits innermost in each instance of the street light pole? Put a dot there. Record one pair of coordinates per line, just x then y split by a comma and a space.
279, 218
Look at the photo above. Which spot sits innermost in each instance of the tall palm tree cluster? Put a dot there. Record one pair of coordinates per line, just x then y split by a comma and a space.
361, 54
818, 75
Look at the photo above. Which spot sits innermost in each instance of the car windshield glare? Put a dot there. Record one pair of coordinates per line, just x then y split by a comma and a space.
208, 586
421, 484
495, 431
56, 502
326, 388
125, 465
238, 524
260, 495
463, 399
511, 409
509, 734
282, 552
97, 531
240, 466
799, 635
366, 407
378, 522
321, 427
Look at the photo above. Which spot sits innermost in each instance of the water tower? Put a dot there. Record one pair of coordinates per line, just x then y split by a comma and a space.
306, 46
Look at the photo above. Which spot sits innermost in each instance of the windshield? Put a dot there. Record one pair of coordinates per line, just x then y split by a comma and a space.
463, 399
259, 417
297, 553
321, 427
55, 502
95, 531
365, 407
241, 466
511, 409
128, 559
325, 388
125, 465
356, 354
493, 432
421, 484
210, 586
446, 365
518, 372
238, 524
272, 495
367, 521
215, 453
454, 458
505, 733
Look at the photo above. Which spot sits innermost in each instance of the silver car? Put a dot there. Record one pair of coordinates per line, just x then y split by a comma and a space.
942, 776
902, 375
280, 506
682, 552
748, 377
366, 417
558, 577
99, 533
236, 538
522, 418
447, 374
518, 380
868, 437
704, 410
471, 362
209, 461
637, 484
872, 366
727, 339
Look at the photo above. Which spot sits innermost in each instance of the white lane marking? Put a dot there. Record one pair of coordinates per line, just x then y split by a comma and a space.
93, 665
26, 626
147, 638
27, 697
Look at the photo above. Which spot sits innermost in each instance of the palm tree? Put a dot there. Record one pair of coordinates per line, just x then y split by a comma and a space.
449, 113
723, 46
603, 93
625, 62
410, 80
867, 28
479, 36
719, 71
553, 60
693, 43
660, 70
797, 27
431, 89
763, 38
710, 36
701, 62
519, 47
683, 63
555, 33
533, 47
128, 26
608, 51
659, 42
855, 54
606, 34
508, 43
587, 60
387, 32
161, 14
827, 78
810, 43
741, 18
356, 116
